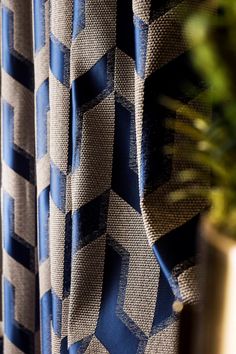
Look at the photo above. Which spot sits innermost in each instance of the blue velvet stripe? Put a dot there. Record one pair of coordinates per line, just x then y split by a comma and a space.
58, 187
89, 222
125, 27
21, 337
176, 247
111, 331
163, 310
14, 245
78, 17
46, 317
170, 250
67, 255
87, 91
167, 273
14, 63
124, 179
43, 219
56, 314
131, 34
42, 108
39, 24
76, 348
141, 40
176, 79
88, 86
60, 60
64, 346
16, 158
79, 347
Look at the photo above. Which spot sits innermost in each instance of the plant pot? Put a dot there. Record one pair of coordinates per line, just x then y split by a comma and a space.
216, 328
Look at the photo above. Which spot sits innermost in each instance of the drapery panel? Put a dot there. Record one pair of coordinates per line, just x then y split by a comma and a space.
93, 253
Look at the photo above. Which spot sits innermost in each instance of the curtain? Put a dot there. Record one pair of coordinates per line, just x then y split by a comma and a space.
94, 254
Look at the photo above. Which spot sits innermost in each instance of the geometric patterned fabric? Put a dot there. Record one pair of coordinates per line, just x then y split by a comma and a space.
93, 254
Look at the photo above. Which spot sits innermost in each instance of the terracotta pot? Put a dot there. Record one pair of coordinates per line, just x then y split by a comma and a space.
216, 328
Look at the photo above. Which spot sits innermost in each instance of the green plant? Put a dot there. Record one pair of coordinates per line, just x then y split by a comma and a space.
213, 35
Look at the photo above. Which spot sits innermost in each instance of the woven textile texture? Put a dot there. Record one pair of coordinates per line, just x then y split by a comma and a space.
93, 254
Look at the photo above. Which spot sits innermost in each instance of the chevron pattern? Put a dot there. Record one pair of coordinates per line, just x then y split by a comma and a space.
40, 10
20, 265
90, 243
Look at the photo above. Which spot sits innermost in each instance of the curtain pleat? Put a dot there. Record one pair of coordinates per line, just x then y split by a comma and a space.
20, 261
94, 255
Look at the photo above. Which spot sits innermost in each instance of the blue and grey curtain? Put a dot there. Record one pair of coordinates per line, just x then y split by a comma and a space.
93, 253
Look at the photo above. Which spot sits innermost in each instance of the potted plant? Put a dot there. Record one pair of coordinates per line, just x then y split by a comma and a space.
213, 156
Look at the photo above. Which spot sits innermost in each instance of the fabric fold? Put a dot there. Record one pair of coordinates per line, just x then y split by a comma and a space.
93, 253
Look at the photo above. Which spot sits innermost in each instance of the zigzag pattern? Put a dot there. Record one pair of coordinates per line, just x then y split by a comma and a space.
18, 248
60, 208
13, 62
42, 111
19, 235
102, 223
20, 336
16, 158
111, 311
124, 177
85, 95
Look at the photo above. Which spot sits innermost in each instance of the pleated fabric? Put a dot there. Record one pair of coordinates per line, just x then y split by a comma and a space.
94, 255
